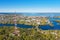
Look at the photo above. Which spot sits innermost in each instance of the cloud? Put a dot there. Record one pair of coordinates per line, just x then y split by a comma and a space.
43, 10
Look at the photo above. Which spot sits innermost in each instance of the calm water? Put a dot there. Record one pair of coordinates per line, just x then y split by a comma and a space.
45, 27
55, 27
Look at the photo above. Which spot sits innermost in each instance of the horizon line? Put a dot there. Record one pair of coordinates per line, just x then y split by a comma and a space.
29, 12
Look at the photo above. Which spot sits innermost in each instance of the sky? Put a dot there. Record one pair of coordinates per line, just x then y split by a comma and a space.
29, 5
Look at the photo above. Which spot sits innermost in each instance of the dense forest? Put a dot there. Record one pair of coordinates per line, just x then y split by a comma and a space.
6, 33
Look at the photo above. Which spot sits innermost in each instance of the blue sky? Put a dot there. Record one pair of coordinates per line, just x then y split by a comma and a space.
30, 5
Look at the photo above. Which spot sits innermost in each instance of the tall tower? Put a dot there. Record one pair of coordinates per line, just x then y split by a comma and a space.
2, 18
16, 31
